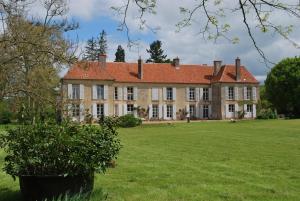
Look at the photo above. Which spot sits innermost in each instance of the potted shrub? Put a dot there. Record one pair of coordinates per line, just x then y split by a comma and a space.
52, 160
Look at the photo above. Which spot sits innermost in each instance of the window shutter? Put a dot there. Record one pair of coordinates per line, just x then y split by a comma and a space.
69, 110
125, 93
94, 93
197, 94
154, 93
201, 111
124, 109
245, 108
236, 93
150, 112
70, 91
81, 113
165, 93
254, 111
160, 112
236, 109
187, 108
105, 92
94, 110
135, 93
165, 111
245, 93
106, 113
226, 93
81, 91
226, 110
201, 93
135, 112
120, 94
210, 94
209, 111
187, 93
174, 112
254, 93
174, 93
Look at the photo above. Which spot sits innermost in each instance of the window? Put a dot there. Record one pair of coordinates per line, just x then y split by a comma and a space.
205, 94
75, 110
116, 93
231, 108
116, 111
75, 91
192, 111
130, 108
130, 95
249, 93
205, 111
192, 94
100, 91
249, 108
100, 110
230, 93
169, 111
169, 93
155, 111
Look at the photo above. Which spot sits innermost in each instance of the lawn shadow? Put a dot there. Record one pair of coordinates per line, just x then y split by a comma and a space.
7, 194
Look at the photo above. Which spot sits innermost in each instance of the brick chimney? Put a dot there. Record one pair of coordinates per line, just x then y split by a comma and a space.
140, 68
238, 68
176, 62
102, 60
217, 67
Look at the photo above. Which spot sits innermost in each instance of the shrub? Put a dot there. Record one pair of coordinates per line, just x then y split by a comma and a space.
129, 120
5, 117
67, 149
267, 114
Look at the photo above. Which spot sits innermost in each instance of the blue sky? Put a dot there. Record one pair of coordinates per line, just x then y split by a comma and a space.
190, 47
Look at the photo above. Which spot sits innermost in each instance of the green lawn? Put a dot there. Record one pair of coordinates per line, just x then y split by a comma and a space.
248, 160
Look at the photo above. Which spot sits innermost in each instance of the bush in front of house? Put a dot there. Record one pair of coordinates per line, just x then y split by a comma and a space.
128, 121
267, 114
5, 117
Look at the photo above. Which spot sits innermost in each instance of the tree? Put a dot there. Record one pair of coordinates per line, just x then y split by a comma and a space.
211, 18
102, 43
283, 86
32, 53
91, 50
156, 53
120, 54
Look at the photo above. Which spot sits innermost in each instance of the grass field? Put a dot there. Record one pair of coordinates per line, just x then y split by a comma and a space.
248, 160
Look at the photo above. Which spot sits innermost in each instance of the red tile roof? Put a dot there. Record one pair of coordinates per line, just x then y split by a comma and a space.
155, 73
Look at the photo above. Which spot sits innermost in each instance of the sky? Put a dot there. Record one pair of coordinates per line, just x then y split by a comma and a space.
95, 15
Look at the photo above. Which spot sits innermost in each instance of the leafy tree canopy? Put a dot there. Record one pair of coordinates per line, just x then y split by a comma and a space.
157, 53
120, 54
283, 86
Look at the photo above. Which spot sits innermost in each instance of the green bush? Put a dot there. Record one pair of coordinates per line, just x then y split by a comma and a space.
267, 114
5, 117
129, 120
67, 149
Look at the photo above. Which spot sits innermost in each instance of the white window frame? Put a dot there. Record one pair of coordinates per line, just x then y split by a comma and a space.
116, 93
130, 109
205, 94
249, 108
100, 110
75, 110
155, 111
130, 93
100, 92
75, 91
230, 93
231, 108
248, 93
169, 92
192, 111
205, 111
192, 94
169, 111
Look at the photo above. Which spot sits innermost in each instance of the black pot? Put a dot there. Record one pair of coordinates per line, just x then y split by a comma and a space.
39, 188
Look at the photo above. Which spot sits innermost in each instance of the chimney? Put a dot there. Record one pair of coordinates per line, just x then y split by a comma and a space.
238, 68
140, 68
176, 62
102, 60
217, 67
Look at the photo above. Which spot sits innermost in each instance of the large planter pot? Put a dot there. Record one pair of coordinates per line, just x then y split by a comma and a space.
39, 188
